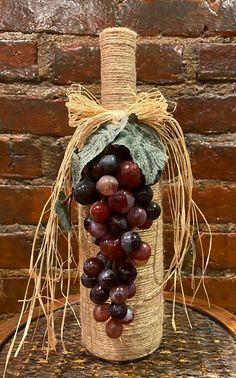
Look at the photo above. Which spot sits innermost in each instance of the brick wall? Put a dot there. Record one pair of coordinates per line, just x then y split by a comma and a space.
186, 48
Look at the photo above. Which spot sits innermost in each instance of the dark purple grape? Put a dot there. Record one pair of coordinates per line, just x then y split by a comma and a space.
121, 201
131, 289
137, 216
127, 273
153, 210
117, 224
87, 281
98, 294
102, 257
107, 278
97, 171
130, 241
129, 317
143, 194
93, 266
109, 163
118, 310
87, 223
85, 192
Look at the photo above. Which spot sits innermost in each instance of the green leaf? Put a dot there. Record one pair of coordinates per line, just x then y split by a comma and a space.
75, 168
98, 141
62, 212
145, 147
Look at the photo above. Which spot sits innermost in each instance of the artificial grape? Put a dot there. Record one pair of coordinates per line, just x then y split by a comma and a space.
102, 257
87, 223
107, 278
101, 312
143, 194
109, 163
146, 225
117, 224
121, 152
131, 290
118, 310
130, 241
158, 176
143, 253
139, 263
107, 185
113, 329
122, 201
127, 273
92, 267
153, 210
98, 294
112, 248
87, 281
97, 171
97, 230
129, 317
100, 211
85, 192
119, 294
96, 241
129, 174
136, 216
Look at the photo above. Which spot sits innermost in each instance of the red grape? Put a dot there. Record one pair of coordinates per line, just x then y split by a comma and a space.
101, 312
143, 253
113, 329
112, 248
139, 263
129, 174
107, 185
146, 225
131, 289
119, 294
121, 202
100, 211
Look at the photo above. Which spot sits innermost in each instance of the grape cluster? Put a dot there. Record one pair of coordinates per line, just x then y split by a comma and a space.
113, 185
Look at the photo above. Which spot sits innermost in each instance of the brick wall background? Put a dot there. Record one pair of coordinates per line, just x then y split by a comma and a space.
185, 47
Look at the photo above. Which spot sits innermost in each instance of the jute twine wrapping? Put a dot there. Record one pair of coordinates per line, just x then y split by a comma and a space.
143, 336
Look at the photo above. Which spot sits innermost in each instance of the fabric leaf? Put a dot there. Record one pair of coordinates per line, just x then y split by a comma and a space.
145, 147
98, 141
75, 171
62, 212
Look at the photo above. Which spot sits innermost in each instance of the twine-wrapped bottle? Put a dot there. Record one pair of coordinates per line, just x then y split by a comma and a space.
143, 335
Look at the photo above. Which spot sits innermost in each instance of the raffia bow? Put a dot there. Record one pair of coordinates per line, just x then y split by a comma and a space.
86, 115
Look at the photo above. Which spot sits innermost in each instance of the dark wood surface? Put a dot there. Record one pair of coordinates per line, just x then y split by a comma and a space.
207, 350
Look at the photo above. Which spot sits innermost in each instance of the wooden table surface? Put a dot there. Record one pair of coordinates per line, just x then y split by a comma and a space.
207, 350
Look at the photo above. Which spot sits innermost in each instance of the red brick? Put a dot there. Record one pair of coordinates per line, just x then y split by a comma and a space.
69, 17
221, 290
223, 252
19, 158
18, 60
203, 114
216, 62
215, 201
13, 289
22, 204
76, 63
178, 17
213, 158
160, 63
15, 250
20, 114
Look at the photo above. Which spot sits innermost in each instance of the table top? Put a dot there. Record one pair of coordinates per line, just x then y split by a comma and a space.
207, 350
